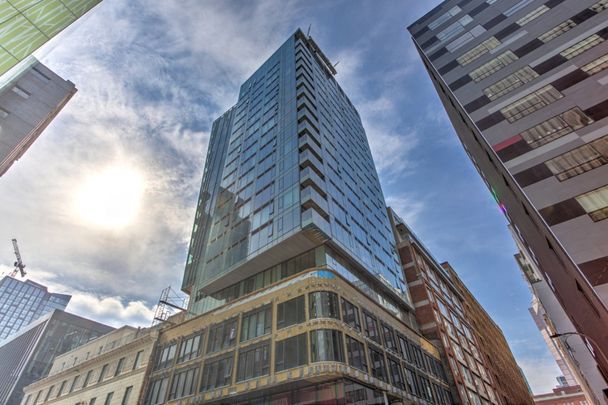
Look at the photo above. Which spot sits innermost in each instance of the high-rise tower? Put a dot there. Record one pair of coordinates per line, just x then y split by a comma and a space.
296, 291
289, 169
22, 302
525, 85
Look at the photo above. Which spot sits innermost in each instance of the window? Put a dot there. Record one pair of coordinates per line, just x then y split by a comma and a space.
291, 312
138, 358
253, 362
454, 29
61, 388
119, 366
74, 382
125, 397
395, 372
37, 397
184, 383
556, 127
108, 399
326, 345
595, 203
481, 49
557, 31
356, 354
156, 392
444, 17
531, 103
371, 327
378, 366
217, 372
582, 46
256, 323
49, 393
599, 6
596, 66
510, 83
291, 352
189, 348
350, 314
87, 378
222, 336
389, 338
324, 304
532, 15
580, 160
165, 356
92, 401
493, 66
18, 90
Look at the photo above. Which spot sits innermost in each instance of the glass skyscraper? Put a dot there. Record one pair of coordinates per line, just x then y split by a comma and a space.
22, 302
25, 25
288, 170
292, 272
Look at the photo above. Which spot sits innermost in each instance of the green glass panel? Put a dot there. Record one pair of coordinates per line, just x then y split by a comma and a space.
7, 61
79, 7
6, 10
50, 16
23, 5
19, 37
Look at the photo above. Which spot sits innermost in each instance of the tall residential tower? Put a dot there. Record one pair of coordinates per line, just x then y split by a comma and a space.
296, 291
525, 85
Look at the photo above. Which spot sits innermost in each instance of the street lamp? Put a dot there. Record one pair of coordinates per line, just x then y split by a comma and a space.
596, 348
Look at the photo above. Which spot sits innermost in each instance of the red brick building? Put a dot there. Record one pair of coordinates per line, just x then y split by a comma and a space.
450, 318
562, 396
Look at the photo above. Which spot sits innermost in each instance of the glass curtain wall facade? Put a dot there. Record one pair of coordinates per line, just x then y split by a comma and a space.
28, 356
524, 84
22, 302
27, 25
289, 169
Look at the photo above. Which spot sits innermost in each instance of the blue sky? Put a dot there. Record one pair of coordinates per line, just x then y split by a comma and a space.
152, 76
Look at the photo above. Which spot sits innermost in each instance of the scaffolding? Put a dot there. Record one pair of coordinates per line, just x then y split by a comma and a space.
170, 303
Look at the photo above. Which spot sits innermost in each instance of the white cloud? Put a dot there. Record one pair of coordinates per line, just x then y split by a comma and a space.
149, 89
541, 373
408, 208
113, 311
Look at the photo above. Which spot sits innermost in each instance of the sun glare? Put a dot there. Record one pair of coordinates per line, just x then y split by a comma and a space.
111, 198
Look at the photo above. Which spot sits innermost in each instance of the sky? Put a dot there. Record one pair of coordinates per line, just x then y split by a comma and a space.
103, 203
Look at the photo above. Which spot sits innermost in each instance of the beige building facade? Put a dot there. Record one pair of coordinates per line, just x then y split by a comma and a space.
312, 338
109, 370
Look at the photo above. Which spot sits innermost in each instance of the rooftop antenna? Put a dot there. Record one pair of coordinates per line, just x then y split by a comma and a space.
308, 32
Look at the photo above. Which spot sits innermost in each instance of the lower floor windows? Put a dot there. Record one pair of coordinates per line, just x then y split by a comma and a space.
184, 383
396, 373
356, 354
253, 362
326, 345
378, 365
291, 352
217, 372
156, 393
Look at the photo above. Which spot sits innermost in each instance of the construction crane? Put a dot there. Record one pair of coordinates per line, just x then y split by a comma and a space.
19, 266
